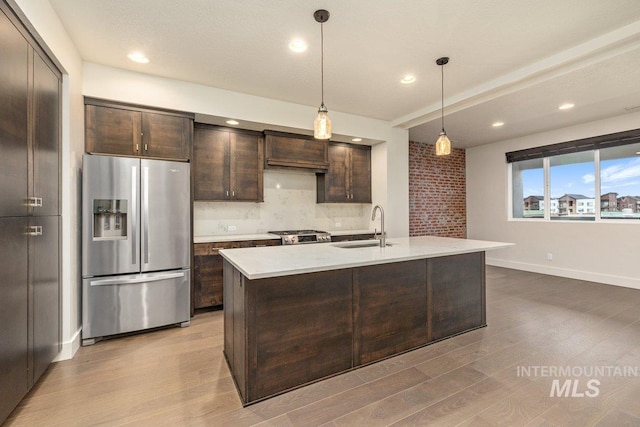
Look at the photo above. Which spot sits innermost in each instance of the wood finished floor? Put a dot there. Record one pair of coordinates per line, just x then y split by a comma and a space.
178, 377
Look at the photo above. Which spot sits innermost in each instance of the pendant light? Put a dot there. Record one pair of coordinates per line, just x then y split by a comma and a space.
322, 123
443, 144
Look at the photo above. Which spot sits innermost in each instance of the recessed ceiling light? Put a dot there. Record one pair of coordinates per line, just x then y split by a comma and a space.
408, 79
138, 57
356, 139
497, 124
232, 122
297, 45
566, 106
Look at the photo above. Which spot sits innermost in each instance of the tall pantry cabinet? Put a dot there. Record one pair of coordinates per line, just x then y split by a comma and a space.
30, 86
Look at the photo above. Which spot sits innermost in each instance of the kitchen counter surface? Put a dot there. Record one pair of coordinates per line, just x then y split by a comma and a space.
234, 237
259, 263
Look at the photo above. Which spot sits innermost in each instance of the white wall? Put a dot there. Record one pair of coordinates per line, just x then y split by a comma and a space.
48, 26
602, 252
389, 161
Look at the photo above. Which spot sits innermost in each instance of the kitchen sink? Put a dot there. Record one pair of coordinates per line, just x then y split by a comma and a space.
360, 244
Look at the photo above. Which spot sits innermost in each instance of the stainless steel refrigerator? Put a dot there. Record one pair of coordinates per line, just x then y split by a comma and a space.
136, 238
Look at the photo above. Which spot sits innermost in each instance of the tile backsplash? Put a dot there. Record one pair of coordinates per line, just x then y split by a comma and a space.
289, 203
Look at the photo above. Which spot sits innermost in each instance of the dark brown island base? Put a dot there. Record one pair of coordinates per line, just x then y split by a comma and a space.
295, 327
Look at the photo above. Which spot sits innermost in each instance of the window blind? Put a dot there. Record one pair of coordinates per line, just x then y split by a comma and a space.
586, 144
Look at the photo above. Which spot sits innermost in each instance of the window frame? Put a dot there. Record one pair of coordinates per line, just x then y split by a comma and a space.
547, 193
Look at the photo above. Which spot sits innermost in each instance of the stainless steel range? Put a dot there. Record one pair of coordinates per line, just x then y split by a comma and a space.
297, 237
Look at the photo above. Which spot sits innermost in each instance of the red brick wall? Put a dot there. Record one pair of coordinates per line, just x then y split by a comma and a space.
437, 192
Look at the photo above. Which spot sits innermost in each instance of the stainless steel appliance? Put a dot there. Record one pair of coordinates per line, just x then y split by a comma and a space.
136, 235
297, 237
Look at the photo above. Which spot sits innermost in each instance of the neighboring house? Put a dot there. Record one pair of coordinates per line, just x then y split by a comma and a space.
629, 202
609, 202
568, 204
586, 206
534, 203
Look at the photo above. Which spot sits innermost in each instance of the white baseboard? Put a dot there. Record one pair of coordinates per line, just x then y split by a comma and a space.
607, 279
69, 347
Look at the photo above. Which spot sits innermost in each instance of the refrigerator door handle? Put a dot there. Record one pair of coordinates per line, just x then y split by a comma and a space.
145, 213
155, 278
134, 226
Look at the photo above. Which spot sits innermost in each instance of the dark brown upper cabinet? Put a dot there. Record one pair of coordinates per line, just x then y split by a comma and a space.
129, 130
348, 179
287, 150
227, 164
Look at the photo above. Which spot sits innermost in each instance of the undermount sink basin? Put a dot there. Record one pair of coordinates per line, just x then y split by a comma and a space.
360, 244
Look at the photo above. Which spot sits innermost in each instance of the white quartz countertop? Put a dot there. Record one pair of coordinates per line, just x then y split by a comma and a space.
273, 261
234, 237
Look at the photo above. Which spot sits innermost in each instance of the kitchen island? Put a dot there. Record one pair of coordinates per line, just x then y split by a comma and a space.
297, 314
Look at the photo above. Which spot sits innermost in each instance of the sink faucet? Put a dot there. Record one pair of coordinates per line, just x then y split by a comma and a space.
383, 238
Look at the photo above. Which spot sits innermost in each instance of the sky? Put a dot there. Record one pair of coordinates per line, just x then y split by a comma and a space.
621, 176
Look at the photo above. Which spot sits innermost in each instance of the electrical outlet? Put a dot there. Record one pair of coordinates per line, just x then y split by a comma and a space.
549, 256
338, 224
231, 228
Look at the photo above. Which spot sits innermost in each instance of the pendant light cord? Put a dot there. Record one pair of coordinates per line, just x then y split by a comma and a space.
322, 62
442, 96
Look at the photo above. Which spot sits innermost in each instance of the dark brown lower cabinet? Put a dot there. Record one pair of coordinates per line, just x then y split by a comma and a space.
13, 313
455, 294
207, 278
301, 330
44, 282
29, 304
207, 287
284, 332
389, 309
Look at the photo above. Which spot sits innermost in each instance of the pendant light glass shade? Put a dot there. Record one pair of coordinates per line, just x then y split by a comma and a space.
443, 145
322, 123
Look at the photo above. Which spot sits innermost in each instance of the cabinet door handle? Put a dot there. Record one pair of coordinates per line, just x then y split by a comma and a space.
34, 202
34, 230
137, 147
227, 193
233, 193
146, 147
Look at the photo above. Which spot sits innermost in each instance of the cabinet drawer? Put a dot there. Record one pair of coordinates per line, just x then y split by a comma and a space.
200, 249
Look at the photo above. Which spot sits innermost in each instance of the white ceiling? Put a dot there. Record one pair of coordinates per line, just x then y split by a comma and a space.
511, 60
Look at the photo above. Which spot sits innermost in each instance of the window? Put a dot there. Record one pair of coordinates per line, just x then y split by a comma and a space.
561, 181
528, 189
620, 182
572, 183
